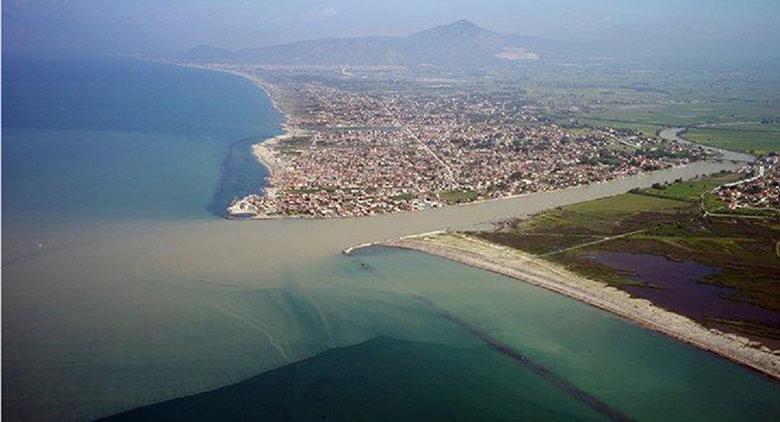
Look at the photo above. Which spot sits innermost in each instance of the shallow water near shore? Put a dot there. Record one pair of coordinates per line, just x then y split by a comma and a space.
121, 289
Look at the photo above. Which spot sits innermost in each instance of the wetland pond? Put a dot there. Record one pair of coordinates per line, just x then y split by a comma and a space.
681, 287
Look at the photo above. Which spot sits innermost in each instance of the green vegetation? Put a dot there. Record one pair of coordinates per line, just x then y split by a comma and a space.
457, 196
574, 261
606, 217
665, 220
745, 328
586, 222
701, 191
684, 113
649, 100
294, 143
649, 130
755, 138
691, 190
403, 197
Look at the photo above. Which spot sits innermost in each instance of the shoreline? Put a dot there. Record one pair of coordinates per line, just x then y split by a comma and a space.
673, 134
476, 202
260, 150
266, 157
541, 273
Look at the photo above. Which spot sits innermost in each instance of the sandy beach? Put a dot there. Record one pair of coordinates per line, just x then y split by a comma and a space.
264, 153
522, 266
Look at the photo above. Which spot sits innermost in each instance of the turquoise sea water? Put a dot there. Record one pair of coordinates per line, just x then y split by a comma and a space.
122, 287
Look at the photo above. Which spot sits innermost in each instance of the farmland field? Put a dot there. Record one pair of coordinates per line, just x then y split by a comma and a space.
755, 138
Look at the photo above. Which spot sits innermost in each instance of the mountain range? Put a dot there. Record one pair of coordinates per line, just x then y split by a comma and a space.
461, 43
464, 43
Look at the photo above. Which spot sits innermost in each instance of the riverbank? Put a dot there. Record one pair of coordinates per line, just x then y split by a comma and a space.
642, 180
673, 134
525, 267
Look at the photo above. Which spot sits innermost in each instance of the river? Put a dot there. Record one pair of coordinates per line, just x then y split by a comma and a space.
673, 134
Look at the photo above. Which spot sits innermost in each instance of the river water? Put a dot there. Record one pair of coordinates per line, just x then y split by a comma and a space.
121, 289
673, 134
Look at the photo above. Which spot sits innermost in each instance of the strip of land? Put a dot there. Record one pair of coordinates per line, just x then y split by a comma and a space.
540, 272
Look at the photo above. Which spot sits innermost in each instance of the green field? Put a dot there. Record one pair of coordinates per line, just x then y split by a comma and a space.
294, 144
587, 221
737, 129
685, 114
755, 138
649, 130
690, 190
608, 216
457, 196
403, 197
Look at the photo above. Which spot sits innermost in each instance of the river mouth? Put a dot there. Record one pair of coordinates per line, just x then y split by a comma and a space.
121, 291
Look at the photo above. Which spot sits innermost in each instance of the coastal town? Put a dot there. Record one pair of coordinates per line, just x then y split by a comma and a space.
368, 144
761, 191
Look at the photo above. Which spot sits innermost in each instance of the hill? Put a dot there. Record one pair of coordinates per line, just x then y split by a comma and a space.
461, 43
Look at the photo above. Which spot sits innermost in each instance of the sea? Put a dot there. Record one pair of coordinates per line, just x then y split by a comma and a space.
127, 295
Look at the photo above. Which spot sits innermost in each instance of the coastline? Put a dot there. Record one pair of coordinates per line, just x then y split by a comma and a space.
263, 151
264, 154
241, 208
479, 202
545, 274
539, 272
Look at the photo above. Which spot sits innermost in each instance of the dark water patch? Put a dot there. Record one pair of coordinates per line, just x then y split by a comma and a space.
384, 380
240, 175
678, 286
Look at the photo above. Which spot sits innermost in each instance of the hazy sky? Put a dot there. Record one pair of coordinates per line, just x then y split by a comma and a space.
88, 26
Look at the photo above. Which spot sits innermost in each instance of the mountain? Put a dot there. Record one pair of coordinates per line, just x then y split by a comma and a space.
461, 43
329, 51
464, 43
